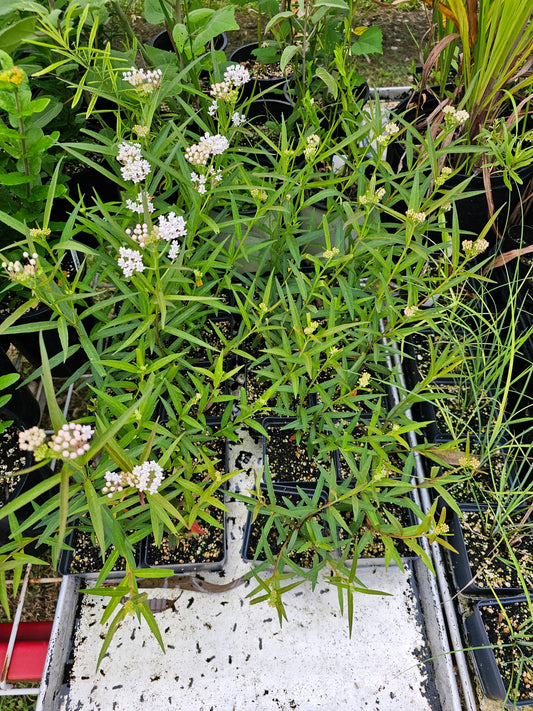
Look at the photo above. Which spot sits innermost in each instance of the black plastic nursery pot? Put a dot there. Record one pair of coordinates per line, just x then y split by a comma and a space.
88, 184
367, 543
36, 320
481, 565
203, 547
469, 414
501, 664
28, 343
472, 212
514, 278
354, 400
260, 112
83, 557
14, 459
256, 386
288, 460
495, 475
416, 353
22, 402
254, 527
264, 77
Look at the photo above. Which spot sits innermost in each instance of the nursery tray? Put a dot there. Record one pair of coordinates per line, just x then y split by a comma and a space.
413, 355
482, 654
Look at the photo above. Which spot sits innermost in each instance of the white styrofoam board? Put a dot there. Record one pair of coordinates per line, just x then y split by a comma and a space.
223, 653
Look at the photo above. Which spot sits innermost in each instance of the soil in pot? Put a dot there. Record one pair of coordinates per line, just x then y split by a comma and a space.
86, 556
214, 332
491, 567
204, 546
289, 461
510, 634
278, 532
389, 464
460, 412
193, 550
366, 541
362, 393
256, 387
484, 483
264, 76
417, 361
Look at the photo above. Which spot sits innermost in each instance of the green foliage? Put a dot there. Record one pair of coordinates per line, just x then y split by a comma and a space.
289, 256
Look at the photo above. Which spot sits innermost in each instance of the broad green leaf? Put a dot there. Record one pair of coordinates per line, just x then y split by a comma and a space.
179, 35
328, 80
13, 36
369, 42
287, 55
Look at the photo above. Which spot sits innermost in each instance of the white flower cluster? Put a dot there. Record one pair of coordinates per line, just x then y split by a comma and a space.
139, 234
391, 129
24, 273
30, 440
370, 198
199, 153
311, 148
443, 177
142, 80
172, 226
72, 440
130, 261
410, 311
330, 253
138, 205
134, 166
416, 217
200, 181
237, 74
473, 249
146, 477
238, 119
169, 229
453, 117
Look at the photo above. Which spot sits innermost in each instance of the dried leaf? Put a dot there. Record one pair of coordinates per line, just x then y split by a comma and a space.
448, 456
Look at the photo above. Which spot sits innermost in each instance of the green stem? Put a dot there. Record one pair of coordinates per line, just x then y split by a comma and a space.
23, 142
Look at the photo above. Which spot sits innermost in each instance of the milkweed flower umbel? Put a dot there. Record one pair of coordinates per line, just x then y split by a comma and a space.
134, 166
32, 439
146, 478
72, 440
130, 261
144, 81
